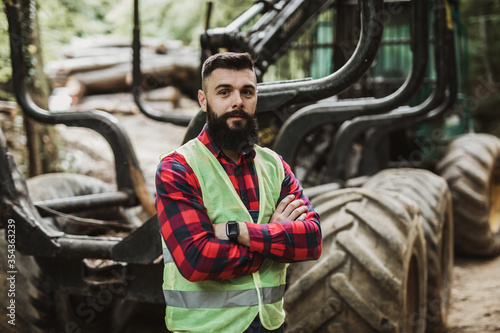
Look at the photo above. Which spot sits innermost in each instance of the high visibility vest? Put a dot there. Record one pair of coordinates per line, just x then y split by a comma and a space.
227, 305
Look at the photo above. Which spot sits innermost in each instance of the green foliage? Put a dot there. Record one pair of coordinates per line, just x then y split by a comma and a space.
60, 20
482, 19
179, 20
5, 68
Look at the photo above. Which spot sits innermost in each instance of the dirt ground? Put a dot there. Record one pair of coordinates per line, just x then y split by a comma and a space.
475, 301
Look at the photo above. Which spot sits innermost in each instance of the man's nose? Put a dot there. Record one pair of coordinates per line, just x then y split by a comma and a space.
237, 101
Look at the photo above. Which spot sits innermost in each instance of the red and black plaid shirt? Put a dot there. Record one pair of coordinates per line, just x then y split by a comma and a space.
189, 234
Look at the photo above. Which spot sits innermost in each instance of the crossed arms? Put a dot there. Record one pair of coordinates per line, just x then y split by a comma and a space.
201, 250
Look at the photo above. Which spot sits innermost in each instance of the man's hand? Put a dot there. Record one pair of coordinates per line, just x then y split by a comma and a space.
289, 210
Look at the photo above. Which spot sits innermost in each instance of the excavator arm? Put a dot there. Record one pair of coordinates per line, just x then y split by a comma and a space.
277, 23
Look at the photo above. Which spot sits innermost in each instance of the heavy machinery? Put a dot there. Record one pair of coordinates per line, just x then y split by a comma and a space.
389, 233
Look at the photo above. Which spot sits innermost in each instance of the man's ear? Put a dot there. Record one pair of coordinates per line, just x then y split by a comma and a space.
202, 99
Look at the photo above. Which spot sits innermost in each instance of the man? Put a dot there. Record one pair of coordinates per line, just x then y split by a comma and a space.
232, 214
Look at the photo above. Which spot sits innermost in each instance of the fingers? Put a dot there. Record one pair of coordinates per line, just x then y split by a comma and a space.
290, 209
292, 206
297, 213
284, 203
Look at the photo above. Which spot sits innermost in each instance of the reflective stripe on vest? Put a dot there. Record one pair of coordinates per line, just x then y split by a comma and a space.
167, 257
228, 306
223, 299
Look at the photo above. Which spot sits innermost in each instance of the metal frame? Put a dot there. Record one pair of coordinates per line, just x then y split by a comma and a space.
125, 160
307, 91
171, 117
275, 96
281, 23
310, 117
39, 236
138, 275
350, 130
369, 162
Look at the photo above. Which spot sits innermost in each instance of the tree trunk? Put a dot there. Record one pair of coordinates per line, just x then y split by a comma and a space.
42, 152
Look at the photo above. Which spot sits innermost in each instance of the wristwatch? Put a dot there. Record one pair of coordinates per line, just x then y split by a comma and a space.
232, 230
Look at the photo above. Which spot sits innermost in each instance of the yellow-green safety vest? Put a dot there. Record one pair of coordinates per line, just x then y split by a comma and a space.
227, 305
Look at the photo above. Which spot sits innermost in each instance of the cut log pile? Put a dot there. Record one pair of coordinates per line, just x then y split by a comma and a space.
9, 108
103, 65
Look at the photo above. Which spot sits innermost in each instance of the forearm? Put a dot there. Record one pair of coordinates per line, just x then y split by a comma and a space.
212, 259
281, 241
290, 241
200, 255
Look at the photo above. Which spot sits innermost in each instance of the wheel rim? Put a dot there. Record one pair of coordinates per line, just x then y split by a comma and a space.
494, 197
412, 303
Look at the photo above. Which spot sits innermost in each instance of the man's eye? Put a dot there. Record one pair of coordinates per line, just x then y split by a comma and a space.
223, 92
248, 92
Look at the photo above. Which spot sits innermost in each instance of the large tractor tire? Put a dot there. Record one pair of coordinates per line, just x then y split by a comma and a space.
371, 276
42, 308
433, 198
471, 166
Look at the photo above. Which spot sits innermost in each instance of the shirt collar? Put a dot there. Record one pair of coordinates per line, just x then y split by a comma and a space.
206, 139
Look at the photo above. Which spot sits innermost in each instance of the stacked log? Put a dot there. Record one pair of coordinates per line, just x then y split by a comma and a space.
9, 108
103, 65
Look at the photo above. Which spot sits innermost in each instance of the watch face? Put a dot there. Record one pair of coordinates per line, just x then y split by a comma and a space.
232, 230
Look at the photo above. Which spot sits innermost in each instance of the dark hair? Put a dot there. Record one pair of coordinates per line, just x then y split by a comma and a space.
226, 60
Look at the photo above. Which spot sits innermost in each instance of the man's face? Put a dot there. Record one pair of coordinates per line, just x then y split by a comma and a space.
230, 100
229, 90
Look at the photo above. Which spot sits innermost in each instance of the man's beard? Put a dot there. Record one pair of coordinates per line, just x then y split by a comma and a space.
240, 138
